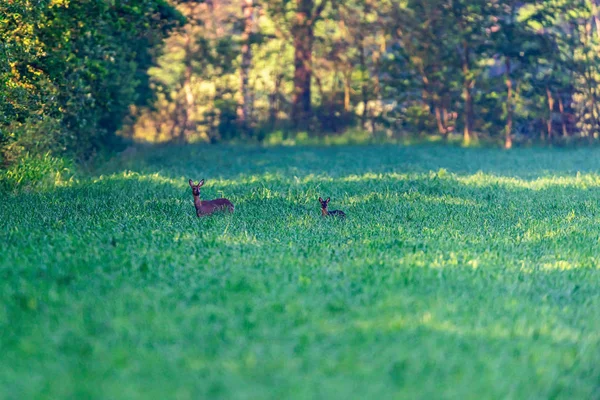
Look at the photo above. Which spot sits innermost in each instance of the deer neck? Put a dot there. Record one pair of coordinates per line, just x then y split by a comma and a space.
197, 201
324, 211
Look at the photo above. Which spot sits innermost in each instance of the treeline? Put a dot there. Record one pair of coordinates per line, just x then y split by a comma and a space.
499, 70
74, 73
71, 69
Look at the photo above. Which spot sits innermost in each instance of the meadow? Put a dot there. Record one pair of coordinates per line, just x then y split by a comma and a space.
459, 273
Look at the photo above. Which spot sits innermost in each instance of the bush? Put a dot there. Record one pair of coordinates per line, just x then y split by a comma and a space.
36, 172
65, 85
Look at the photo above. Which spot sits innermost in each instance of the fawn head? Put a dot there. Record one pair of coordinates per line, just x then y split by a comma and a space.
324, 202
196, 188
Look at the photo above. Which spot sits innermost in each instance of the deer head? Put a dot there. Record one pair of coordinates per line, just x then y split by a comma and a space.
196, 188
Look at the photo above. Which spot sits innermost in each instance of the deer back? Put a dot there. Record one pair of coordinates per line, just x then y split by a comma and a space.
210, 206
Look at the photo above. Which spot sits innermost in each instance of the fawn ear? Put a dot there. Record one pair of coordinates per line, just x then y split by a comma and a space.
201, 183
191, 182
320, 199
328, 200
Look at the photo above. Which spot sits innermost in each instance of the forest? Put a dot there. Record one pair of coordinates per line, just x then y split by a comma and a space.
80, 77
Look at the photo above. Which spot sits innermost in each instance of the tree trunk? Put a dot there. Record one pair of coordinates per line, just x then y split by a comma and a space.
376, 57
332, 101
188, 110
550, 110
596, 16
347, 89
594, 114
303, 42
446, 116
274, 100
468, 134
426, 96
563, 121
364, 92
591, 83
245, 101
319, 83
324, 124
214, 9
440, 122
275, 96
303, 33
509, 106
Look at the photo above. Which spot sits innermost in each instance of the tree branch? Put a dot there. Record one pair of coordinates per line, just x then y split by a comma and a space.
318, 11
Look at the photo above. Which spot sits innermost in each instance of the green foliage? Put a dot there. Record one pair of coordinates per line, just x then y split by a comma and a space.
522, 70
457, 272
74, 73
70, 70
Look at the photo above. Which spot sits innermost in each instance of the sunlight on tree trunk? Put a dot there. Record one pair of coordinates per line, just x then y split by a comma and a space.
468, 134
561, 109
363, 86
509, 106
347, 90
187, 113
596, 16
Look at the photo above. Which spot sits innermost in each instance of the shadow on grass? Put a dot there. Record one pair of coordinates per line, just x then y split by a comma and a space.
232, 162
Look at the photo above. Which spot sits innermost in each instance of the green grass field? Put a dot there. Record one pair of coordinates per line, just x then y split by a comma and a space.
459, 273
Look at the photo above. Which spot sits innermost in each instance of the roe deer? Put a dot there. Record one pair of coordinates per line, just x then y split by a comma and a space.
210, 206
332, 213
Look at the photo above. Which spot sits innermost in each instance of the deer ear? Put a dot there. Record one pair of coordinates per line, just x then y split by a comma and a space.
201, 183
328, 199
320, 199
191, 182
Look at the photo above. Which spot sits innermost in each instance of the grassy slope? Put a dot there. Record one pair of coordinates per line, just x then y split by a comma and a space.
482, 281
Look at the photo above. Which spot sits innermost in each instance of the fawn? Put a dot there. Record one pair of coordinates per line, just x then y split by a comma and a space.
333, 213
210, 206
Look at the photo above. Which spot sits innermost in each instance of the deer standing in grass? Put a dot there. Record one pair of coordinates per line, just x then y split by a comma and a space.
332, 213
210, 206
